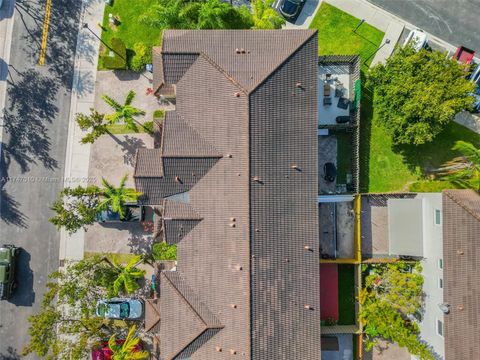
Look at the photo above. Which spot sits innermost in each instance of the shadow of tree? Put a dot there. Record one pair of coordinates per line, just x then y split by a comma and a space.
31, 107
10, 355
365, 133
9, 207
140, 243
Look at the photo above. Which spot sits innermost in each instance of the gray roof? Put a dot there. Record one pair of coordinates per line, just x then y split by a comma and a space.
461, 274
246, 111
405, 227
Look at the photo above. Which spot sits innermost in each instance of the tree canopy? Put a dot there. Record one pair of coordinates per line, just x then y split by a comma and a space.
209, 14
390, 305
265, 16
417, 93
66, 326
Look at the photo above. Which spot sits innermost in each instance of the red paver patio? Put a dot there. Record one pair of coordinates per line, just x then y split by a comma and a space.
329, 291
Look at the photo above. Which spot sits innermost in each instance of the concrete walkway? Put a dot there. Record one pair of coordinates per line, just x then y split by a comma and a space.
471, 121
83, 96
6, 28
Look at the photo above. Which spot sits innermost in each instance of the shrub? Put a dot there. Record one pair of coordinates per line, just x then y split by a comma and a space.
142, 57
158, 114
118, 60
163, 251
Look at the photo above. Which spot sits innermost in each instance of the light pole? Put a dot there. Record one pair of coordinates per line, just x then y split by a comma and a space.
387, 41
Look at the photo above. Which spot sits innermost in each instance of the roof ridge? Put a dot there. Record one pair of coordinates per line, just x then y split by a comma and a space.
207, 326
451, 195
280, 64
223, 72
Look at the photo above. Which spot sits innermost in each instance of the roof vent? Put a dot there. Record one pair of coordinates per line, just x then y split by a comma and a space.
233, 219
237, 50
177, 179
445, 308
233, 352
295, 167
239, 268
459, 252
232, 225
242, 50
257, 230
308, 307
218, 349
229, 156
298, 84
257, 179
237, 94
233, 306
287, 260
460, 308
309, 248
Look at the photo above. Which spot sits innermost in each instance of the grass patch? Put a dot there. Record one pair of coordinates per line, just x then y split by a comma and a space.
344, 156
117, 129
130, 29
336, 36
410, 167
346, 294
117, 257
158, 114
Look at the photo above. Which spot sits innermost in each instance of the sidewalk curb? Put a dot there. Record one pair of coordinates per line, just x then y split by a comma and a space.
75, 169
6, 58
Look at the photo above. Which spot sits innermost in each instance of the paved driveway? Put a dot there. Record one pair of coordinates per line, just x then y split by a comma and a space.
455, 21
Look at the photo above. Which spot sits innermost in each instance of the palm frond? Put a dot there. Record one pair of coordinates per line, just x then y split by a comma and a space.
130, 96
112, 102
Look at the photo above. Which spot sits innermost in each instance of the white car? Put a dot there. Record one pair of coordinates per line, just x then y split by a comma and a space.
418, 39
121, 309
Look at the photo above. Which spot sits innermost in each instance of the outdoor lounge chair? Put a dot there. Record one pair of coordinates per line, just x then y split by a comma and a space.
327, 101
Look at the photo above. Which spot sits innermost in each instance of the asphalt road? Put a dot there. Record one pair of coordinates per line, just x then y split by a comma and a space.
455, 21
33, 152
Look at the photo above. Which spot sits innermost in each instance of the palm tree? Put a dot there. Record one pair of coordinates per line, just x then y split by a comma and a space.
126, 277
115, 198
265, 16
464, 170
128, 350
125, 112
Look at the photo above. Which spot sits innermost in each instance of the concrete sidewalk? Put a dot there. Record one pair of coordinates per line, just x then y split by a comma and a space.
83, 96
6, 27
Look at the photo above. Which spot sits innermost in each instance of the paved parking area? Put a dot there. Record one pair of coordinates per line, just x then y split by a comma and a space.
327, 152
455, 21
113, 156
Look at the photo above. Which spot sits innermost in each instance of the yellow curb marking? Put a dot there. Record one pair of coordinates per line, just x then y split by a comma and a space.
46, 22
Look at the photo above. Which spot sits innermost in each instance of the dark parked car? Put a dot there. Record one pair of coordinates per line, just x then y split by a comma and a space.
329, 172
8, 257
342, 119
291, 8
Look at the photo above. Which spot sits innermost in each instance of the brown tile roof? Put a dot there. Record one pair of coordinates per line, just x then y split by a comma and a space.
179, 219
253, 258
152, 315
461, 274
186, 316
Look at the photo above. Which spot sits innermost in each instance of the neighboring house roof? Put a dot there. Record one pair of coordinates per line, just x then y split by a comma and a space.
152, 315
461, 274
245, 152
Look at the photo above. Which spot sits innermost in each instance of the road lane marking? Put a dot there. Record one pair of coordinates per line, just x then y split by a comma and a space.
46, 23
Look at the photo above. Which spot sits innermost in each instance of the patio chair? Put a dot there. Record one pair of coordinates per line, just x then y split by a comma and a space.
338, 92
327, 101
343, 103
326, 89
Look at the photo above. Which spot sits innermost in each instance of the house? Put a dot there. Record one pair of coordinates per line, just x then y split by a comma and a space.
442, 231
235, 178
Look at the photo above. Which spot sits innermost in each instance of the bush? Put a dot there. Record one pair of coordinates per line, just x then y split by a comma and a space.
163, 251
118, 60
158, 114
142, 57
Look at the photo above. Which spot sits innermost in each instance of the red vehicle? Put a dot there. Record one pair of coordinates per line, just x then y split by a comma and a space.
103, 352
464, 55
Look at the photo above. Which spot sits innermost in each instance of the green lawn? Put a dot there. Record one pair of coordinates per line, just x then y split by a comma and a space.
130, 29
346, 294
336, 36
409, 168
344, 156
